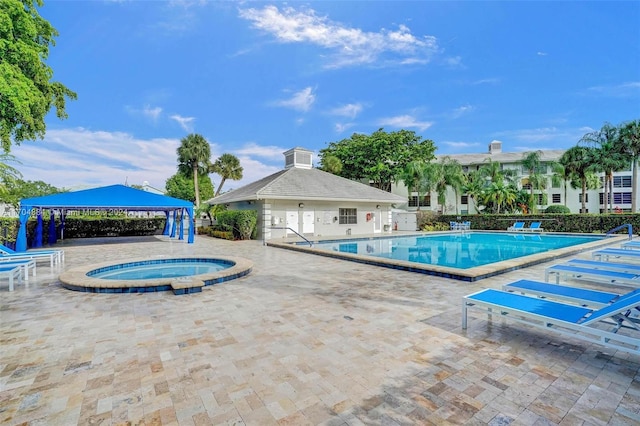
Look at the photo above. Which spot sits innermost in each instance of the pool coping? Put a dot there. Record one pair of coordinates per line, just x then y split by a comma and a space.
78, 280
470, 274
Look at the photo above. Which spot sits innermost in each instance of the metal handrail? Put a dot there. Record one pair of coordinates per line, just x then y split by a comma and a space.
295, 232
617, 228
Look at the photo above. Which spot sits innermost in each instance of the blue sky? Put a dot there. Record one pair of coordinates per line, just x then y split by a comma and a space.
258, 78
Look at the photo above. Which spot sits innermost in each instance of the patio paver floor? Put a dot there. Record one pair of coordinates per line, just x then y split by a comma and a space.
302, 340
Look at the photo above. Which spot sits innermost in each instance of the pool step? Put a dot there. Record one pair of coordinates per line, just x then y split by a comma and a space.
186, 285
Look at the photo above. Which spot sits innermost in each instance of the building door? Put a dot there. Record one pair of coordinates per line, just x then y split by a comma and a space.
308, 218
292, 221
377, 222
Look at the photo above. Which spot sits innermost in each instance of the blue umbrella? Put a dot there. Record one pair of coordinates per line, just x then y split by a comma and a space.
53, 236
38, 238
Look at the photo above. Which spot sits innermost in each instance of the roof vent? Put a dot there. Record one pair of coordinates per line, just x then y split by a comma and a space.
495, 147
298, 157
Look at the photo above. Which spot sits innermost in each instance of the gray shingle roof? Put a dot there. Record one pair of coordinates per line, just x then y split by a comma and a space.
307, 184
503, 157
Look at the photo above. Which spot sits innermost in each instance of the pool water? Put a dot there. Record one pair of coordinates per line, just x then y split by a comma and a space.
457, 250
157, 269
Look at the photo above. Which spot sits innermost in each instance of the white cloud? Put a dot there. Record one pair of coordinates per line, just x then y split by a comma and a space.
152, 113
348, 110
253, 149
464, 109
300, 101
348, 46
553, 137
342, 127
185, 122
541, 53
79, 157
461, 145
486, 81
628, 89
453, 62
405, 121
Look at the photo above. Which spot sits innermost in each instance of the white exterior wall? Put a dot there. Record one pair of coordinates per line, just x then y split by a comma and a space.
573, 195
316, 218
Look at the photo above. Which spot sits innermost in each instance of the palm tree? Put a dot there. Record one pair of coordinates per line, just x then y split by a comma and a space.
499, 193
609, 157
411, 176
630, 137
561, 174
227, 166
494, 172
532, 162
474, 186
578, 161
331, 164
194, 155
453, 176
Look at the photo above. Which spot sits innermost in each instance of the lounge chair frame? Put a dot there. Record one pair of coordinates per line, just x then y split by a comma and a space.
607, 253
54, 256
598, 275
13, 272
517, 226
562, 318
568, 294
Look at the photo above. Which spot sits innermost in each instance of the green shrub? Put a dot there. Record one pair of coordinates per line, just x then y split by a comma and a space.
242, 223
558, 209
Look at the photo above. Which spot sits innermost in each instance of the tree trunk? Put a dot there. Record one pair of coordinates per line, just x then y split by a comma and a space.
634, 185
584, 196
195, 185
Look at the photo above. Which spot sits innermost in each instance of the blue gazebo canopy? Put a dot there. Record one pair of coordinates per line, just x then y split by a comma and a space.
116, 198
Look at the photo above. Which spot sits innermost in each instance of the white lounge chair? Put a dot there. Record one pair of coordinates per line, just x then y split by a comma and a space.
614, 253
611, 266
26, 265
591, 274
54, 256
534, 227
12, 272
634, 244
563, 318
518, 226
576, 295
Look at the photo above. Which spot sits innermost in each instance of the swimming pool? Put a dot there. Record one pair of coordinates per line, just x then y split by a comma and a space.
160, 268
458, 250
183, 275
467, 256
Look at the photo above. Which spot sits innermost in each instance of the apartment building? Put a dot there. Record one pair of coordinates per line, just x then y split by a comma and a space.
555, 193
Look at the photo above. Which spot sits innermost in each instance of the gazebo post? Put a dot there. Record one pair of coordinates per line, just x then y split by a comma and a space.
181, 229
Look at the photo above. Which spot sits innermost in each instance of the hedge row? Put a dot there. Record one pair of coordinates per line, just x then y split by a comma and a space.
581, 223
83, 228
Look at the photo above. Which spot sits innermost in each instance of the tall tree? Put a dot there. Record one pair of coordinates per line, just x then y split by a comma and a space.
608, 157
181, 186
411, 176
561, 174
532, 162
331, 164
630, 141
500, 193
27, 92
380, 157
194, 156
493, 171
227, 166
474, 186
578, 161
453, 176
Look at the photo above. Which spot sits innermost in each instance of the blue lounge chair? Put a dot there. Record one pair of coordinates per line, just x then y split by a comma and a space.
534, 227
612, 266
634, 244
580, 296
575, 321
518, 226
607, 254
54, 256
590, 274
454, 226
25, 265
12, 272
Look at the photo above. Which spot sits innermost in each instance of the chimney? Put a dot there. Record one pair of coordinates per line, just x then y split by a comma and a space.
298, 157
495, 147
